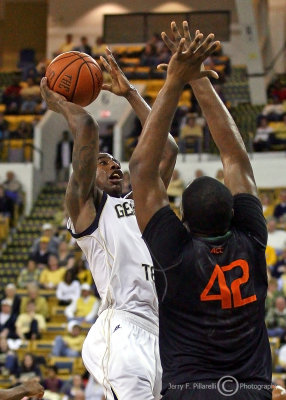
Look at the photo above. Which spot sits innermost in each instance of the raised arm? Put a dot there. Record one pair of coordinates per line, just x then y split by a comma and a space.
148, 189
81, 192
238, 174
122, 87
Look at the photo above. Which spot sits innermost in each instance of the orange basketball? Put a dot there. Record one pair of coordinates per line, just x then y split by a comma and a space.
76, 76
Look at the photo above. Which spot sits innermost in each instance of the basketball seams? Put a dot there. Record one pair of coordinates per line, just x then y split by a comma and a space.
59, 74
61, 57
93, 62
93, 83
75, 85
99, 81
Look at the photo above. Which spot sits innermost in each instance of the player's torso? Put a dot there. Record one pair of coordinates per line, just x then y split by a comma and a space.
120, 261
219, 300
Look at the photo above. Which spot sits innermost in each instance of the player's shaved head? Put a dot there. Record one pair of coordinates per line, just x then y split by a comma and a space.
207, 207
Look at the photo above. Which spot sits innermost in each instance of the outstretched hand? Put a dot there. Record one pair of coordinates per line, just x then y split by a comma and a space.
53, 100
188, 52
119, 83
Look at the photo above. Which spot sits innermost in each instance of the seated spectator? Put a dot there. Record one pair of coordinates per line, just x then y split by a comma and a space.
13, 188
40, 301
84, 47
47, 231
271, 257
7, 320
272, 294
23, 131
267, 206
69, 345
28, 369
279, 268
164, 55
219, 175
273, 110
28, 105
176, 187
157, 42
85, 308
52, 382
41, 255
191, 130
28, 275
6, 204
52, 275
276, 318
199, 173
12, 98
83, 273
68, 45
149, 56
261, 139
99, 47
71, 386
29, 325
8, 359
276, 237
126, 184
66, 258
280, 209
68, 290
10, 293
31, 91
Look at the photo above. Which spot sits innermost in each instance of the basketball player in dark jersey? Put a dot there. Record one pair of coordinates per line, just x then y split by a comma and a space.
210, 269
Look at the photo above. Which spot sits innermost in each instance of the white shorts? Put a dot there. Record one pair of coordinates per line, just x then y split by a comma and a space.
121, 351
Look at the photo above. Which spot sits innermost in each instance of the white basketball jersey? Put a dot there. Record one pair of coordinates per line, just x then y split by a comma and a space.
119, 260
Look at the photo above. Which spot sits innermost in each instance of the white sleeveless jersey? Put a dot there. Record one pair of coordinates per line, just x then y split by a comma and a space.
119, 260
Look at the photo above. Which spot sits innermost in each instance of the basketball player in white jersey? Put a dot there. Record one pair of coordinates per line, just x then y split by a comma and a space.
121, 349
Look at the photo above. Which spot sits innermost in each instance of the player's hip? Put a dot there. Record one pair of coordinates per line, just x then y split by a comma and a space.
121, 350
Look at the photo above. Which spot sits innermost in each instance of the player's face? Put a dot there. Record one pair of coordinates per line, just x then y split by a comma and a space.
109, 175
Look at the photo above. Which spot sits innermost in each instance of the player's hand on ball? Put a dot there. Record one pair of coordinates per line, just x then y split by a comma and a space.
33, 388
199, 48
119, 83
52, 99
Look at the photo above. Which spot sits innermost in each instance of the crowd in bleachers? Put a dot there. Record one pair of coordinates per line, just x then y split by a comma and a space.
271, 129
52, 304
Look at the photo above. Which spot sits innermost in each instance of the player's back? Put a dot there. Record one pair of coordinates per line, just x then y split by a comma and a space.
224, 334
119, 260
212, 309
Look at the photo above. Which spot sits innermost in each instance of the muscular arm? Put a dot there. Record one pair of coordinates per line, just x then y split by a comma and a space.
148, 189
81, 191
122, 87
238, 174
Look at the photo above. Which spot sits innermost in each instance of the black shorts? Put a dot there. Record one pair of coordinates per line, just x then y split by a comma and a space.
213, 391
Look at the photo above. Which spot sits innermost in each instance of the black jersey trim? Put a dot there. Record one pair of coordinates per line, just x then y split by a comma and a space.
114, 395
94, 224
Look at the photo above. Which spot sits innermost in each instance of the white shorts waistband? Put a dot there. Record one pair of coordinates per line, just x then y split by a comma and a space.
133, 318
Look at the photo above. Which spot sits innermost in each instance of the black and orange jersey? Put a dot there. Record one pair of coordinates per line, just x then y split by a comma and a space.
212, 297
